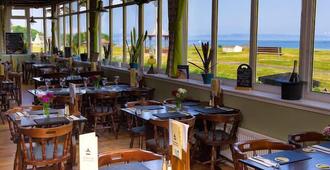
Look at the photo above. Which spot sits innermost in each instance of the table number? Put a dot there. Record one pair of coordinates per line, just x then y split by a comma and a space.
178, 133
88, 152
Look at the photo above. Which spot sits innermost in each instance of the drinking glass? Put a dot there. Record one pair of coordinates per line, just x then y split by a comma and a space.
85, 82
116, 80
62, 82
104, 81
47, 83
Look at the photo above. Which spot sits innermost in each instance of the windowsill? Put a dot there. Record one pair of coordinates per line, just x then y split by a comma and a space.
303, 104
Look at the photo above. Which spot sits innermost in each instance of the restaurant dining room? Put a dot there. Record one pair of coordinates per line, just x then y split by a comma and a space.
164, 84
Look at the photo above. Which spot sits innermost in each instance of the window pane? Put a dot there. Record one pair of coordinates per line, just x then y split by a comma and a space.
321, 60
19, 26
132, 22
36, 12
49, 31
18, 12
82, 5
199, 30
83, 33
165, 31
66, 8
104, 31
118, 34
61, 32
49, 12
74, 34
105, 3
278, 39
67, 31
74, 6
150, 25
116, 2
37, 36
61, 8
233, 40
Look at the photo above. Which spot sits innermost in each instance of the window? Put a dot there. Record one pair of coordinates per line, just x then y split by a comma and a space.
118, 34
165, 41
18, 12
321, 59
116, 2
37, 36
36, 12
49, 32
199, 30
74, 6
75, 44
82, 5
19, 26
278, 39
67, 32
150, 25
132, 22
61, 33
233, 39
83, 33
104, 31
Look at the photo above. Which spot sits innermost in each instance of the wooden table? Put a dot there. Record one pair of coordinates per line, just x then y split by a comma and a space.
309, 164
38, 81
38, 66
151, 165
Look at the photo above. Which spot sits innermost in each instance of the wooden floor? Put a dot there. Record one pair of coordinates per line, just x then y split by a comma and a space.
107, 142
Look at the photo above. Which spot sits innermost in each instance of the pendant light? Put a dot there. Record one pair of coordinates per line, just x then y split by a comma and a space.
32, 18
100, 7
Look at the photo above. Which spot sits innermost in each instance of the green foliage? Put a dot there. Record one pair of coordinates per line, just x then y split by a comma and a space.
206, 58
18, 28
136, 44
107, 50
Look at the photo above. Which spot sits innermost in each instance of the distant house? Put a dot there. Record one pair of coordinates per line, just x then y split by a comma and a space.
232, 49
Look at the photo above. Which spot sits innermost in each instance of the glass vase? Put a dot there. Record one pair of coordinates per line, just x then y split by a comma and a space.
178, 105
46, 109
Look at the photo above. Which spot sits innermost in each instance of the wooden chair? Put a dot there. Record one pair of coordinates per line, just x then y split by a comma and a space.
105, 112
134, 126
91, 73
304, 139
219, 130
240, 150
126, 156
16, 90
139, 94
159, 142
46, 146
59, 102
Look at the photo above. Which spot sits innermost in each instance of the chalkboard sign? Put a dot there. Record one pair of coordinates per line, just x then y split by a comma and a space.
244, 77
15, 43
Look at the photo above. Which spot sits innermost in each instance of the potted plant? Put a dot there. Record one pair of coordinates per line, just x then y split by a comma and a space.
107, 57
135, 49
206, 60
83, 56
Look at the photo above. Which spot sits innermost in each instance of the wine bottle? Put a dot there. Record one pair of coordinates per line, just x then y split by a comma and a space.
294, 78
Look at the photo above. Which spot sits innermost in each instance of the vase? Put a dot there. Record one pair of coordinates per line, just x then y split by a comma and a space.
178, 105
207, 78
134, 65
46, 109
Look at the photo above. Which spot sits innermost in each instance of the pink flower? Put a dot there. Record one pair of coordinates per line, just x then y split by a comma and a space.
46, 98
326, 131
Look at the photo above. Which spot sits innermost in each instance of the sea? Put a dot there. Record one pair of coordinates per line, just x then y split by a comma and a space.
284, 41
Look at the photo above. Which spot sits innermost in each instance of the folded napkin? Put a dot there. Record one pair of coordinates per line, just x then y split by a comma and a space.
263, 161
321, 149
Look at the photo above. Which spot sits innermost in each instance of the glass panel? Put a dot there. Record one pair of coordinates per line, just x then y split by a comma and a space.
60, 8
74, 6
132, 22
82, 5
118, 34
49, 32
165, 35
83, 33
37, 36
19, 26
36, 12
17, 12
74, 34
106, 3
233, 40
116, 2
66, 8
321, 60
104, 31
278, 39
199, 30
67, 31
48, 12
61, 32
150, 25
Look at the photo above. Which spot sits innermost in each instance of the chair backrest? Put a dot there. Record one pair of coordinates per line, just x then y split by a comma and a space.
227, 123
241, 149
60, 102
103, 102
46, 146
143, 103
304, 139
91, 73
54, 76
13, 129
126, 156
139, 94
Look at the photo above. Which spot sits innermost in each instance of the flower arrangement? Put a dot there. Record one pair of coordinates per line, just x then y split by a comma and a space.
95, 80
179, 96
45, 100
326, 132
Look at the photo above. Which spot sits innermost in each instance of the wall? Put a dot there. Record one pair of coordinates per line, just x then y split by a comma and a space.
265, 118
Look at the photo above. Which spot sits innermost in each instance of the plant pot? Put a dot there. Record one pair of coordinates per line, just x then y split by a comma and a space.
207, 78
106, 61
94, 57
134, 65
291, 91
83, 56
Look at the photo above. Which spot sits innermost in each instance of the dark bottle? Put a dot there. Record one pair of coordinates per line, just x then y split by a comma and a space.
294, 78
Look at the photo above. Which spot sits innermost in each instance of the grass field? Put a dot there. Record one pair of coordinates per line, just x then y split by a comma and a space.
266, 64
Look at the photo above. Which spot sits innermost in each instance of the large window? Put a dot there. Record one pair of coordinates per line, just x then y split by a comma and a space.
37, 36
199, 30
165, 37
321, 59
61, 33
234, 35
132, 22
19, 26
104, 31
278, 39
75, 43
83, 33
150, 25
118, 34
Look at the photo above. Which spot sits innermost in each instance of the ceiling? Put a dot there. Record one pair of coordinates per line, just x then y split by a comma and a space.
32, 3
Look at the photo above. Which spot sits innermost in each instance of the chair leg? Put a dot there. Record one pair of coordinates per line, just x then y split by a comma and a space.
132, 141
213, 158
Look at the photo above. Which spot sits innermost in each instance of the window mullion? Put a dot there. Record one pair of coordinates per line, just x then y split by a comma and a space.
254, 38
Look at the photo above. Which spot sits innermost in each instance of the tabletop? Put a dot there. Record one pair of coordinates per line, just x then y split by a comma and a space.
43, 65
154, 165
88, 90
150, 112
29, 118
307, 164
67, 78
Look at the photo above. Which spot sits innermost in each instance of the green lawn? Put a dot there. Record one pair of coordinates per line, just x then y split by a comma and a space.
266, 64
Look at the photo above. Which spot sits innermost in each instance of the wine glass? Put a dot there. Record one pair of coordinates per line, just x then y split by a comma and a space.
62, 82
116, 80
85, 82
47, 83
104, 81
